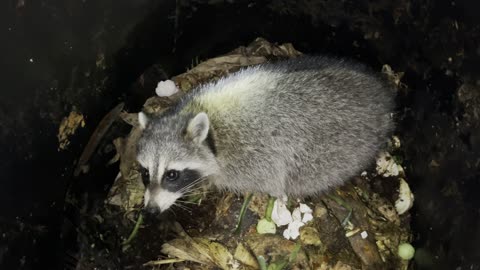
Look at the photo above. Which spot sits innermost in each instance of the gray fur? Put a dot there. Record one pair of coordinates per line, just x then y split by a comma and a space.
309, 124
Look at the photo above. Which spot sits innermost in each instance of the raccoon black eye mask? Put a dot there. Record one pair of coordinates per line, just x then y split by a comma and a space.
173, 180
330, 118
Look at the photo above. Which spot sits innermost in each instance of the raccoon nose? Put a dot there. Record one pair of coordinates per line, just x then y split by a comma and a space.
151, 210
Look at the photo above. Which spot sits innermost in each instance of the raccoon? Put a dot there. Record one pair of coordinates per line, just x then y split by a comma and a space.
295, 127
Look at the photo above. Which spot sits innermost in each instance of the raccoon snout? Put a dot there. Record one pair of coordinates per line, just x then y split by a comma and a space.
151, 210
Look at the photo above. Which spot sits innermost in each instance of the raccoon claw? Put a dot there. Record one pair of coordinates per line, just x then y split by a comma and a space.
166, 88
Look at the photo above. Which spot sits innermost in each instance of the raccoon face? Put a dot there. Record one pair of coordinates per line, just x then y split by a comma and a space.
175, 158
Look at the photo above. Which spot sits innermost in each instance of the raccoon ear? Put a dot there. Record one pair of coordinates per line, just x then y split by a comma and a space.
142, 120
198, 127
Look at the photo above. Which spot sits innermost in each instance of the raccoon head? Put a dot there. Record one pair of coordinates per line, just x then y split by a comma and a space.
176, 155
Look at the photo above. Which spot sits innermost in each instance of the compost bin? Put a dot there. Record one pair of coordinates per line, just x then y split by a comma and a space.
75, 74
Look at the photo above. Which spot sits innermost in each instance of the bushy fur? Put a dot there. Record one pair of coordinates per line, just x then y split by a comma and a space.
296, 127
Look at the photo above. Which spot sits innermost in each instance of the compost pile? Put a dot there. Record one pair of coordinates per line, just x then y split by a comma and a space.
358, 226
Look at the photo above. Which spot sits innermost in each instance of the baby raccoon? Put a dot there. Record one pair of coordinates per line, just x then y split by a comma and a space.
290, 128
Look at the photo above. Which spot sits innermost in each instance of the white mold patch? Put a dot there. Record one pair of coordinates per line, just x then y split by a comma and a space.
166, 88
405, 198
293, 230
295, 219
386, 166
280, 214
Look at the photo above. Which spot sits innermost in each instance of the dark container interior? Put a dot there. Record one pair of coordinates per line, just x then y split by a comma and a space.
86, 55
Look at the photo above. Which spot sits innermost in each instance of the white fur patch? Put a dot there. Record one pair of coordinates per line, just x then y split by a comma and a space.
164, 199
231, 92
180, 166
146, 197
203, 168
142, 120
160, 170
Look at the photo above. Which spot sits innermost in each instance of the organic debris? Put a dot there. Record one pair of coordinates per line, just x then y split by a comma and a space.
97, 135
394, 77
356, 226
67, 128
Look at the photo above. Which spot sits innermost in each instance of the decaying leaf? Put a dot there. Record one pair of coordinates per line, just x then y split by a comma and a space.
67, 127
353, 212
394, 77
274, 247
257, 52
309, 236
243, 255
128, 190
200, 250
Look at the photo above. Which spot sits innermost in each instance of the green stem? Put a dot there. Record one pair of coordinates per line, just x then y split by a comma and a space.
262, 263
293, 255
243, 211
134, 231
268, 212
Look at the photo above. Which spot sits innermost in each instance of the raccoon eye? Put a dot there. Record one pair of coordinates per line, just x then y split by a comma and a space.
145, 176
172, 175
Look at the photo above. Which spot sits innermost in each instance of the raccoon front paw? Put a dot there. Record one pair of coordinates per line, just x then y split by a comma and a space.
166, 88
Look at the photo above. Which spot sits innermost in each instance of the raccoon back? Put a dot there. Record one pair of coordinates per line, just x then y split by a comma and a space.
295, 127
